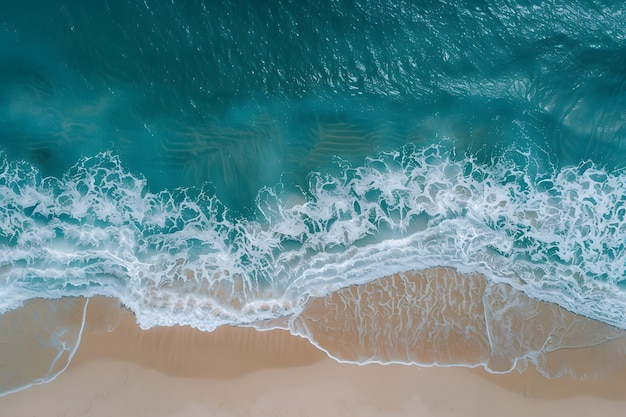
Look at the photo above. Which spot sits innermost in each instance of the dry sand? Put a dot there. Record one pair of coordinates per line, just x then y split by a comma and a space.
242, 372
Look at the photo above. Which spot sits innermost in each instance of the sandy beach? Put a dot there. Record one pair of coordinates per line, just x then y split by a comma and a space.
242, 372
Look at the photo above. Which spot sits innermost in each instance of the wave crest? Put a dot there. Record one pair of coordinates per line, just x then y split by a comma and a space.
181, 257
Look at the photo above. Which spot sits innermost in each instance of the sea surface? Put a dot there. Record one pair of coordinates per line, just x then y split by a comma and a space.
432, 171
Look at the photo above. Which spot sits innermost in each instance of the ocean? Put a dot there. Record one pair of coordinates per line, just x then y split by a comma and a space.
443, 180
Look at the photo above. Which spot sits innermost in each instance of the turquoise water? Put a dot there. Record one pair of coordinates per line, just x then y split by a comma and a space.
222, 162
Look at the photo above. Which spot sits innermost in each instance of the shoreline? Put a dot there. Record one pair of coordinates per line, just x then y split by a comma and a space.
240, 371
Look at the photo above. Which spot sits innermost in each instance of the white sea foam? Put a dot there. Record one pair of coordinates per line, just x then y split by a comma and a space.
180, 257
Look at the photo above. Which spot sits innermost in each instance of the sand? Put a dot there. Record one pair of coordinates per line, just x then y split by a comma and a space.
243, 372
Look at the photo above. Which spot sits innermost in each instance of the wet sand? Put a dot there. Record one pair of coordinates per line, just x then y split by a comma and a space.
239, 372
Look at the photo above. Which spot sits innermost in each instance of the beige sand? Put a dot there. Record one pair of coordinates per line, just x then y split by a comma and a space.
439, 316
241, 372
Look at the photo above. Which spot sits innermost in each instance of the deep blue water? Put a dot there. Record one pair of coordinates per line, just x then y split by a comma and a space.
220, 162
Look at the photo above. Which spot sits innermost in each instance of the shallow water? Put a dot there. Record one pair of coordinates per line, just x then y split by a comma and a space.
215, 163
